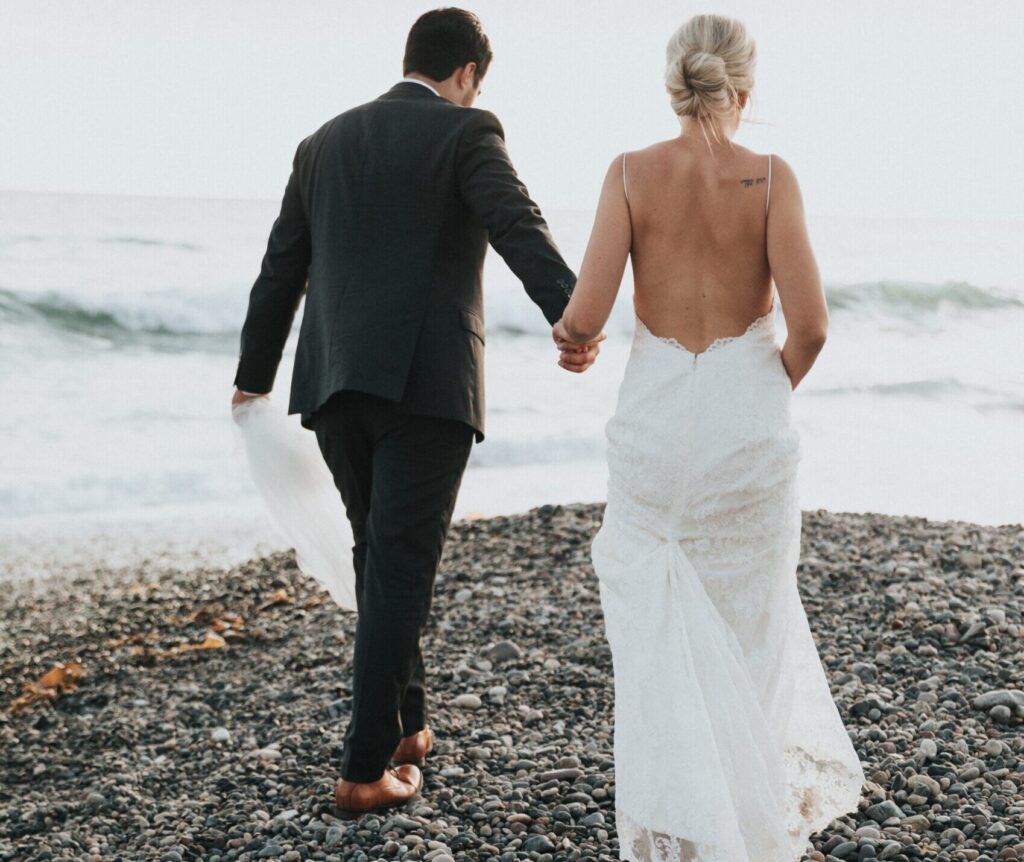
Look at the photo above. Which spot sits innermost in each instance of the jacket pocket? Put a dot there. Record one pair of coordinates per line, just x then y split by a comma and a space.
472, 322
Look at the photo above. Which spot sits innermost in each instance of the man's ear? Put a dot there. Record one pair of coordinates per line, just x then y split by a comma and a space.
468, 75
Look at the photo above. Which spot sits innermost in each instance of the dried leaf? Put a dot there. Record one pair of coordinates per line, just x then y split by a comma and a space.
62, 675
135, 638
227, 622
212, 641
278, 597
318, 599
50, 685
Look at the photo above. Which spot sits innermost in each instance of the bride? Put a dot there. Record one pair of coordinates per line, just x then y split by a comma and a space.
728, 745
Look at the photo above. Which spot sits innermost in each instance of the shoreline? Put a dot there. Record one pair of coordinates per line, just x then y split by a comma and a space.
223, 535
176, 744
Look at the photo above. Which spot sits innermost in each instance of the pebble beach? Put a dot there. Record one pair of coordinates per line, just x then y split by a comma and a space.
149, 712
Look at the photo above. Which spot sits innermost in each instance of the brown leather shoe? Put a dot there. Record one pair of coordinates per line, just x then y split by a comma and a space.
415, 748
396, 786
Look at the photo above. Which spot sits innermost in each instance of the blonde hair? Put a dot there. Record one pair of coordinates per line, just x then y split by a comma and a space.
710, 64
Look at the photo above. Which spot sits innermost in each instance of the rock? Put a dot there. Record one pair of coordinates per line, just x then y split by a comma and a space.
538, 844
570, 774
844, 850
1001, 714
400, 821
916, 823
865, 670
1000, 697
882, 811
467, 701
925, 785
504, 650
220, 734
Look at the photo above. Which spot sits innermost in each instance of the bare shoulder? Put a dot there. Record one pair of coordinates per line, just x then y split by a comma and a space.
784, 182
782, 170
648, 161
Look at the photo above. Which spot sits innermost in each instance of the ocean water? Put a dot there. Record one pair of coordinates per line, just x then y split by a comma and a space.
119, 322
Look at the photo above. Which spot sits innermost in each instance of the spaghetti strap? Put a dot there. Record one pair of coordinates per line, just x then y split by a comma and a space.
769, 195
625, 190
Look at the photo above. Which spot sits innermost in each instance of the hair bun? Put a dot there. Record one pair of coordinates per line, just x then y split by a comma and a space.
703, 72
710, 62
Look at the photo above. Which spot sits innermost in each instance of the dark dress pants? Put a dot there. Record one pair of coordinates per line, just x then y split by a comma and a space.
399, 475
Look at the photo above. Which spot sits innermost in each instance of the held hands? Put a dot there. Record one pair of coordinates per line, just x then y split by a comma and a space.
576, 357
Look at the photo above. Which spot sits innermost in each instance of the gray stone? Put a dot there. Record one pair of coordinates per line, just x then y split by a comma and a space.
882, 811
570, 774
503, 651
1000, 713
332, 837
924, 784
467, 701
538, 844
845, 850
970, 559
1000, 697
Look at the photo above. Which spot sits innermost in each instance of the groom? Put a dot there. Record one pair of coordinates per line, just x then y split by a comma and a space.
384, 225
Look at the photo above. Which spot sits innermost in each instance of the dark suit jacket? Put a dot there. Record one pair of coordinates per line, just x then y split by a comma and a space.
384, 225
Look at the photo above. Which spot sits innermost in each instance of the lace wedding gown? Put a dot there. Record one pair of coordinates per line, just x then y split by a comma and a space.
728, 745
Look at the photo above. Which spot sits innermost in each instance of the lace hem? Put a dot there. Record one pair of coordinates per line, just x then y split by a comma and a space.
716, 344
815, 811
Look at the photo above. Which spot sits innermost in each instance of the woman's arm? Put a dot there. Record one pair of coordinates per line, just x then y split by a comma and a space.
603, 264
796, 275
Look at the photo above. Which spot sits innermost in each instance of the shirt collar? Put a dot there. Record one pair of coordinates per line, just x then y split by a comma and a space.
422, 83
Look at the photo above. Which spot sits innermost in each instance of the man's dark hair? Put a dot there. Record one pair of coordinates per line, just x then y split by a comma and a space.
444, 40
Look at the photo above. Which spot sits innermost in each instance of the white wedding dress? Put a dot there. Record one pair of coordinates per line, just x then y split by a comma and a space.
299, 495
728, 745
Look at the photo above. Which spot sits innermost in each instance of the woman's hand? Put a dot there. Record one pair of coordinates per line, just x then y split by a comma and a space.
575, 356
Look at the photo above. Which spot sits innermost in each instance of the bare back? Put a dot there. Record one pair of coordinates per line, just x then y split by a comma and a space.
699, 239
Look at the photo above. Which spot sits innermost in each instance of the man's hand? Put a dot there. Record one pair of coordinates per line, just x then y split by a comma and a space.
241, 397
575, 356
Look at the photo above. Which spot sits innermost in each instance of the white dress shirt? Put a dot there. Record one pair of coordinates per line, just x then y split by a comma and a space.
424, 83
415, 81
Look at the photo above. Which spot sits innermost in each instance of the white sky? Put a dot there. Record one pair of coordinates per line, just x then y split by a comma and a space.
901, 107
